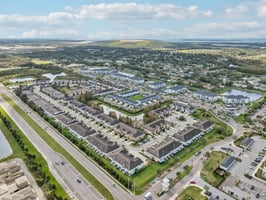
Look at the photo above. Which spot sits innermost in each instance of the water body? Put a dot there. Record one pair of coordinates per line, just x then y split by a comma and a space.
252, 96
18, 80
5, 149
53, 76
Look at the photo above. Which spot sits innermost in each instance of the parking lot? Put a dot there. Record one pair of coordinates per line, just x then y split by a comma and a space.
238, 185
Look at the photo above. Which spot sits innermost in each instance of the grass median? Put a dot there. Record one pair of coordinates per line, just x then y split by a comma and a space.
19, 153
58, 148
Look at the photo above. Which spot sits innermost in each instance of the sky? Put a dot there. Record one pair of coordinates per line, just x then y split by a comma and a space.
151, 19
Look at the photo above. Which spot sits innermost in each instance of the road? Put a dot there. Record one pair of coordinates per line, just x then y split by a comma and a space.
69, 183
100, 174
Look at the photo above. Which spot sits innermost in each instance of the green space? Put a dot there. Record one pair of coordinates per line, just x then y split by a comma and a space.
220, 131
136, 97
240, 119
149, 44
22, 148
191, 193
58, 148
212, 162
259, 173
185, 172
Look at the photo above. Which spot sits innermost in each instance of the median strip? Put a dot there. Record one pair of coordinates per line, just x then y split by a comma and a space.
58, 148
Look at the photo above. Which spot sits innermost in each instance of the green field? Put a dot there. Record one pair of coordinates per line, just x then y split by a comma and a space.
212, 162
19, 153
58, 148
191, 193
136, 97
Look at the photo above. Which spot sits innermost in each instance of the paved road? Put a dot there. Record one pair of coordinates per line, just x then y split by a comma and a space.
69, 182
117, 192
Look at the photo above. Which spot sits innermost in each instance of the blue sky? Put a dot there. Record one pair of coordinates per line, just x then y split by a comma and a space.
152, 19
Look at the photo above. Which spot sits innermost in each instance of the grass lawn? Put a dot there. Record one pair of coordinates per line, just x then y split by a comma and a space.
136, 97
220, 131
240, 119
210, 165
259, 173
19, 153
191, 193
41, 62
58, 148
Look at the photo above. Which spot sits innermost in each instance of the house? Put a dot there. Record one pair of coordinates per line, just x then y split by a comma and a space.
235, 99
162, 112
52, 111
53, 93
107, 119
206, 96
188, 135
247, 143
102, 144
91, 111
177, 89
129, 93
101, 71
76, 104
129, 131
148, 99
206, 126
227, 163
157, 125
81, 130
157, 85
126, 162
164, 150
65, 119
183, 106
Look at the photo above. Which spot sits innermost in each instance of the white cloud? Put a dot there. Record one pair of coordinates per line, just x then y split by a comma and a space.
134, 11
58, 33
261, 8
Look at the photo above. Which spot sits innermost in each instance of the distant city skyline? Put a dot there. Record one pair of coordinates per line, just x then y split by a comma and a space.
162, 20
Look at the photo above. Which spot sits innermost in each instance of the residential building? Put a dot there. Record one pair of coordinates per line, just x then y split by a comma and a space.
126, 162
164, 150
162, 112
157, 125
81, 130
102, 144
157, 85
235, 99
177, 89
129, 131
188, 135
53, 92
206, 96
206, 126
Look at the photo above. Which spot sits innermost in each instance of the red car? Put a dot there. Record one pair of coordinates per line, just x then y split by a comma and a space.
192, 182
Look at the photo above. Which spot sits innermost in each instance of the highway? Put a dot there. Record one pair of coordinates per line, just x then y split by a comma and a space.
117, 192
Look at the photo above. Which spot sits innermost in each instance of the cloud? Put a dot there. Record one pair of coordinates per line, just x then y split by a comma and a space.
134, 11
261, 9
58, 33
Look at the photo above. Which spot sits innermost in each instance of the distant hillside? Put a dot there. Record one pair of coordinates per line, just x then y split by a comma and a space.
149, 44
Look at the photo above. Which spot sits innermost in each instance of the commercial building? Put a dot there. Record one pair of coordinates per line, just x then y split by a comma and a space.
227, 163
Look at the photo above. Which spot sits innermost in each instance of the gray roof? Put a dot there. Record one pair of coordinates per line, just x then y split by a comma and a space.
91, 110
247, 142
128, 93
107, 119
127, 160
65, 119
227, 162
129, 130
187, 134
203, 125
163, 148
157, 124
102, 143
161, 110
177, 87
81, 129
235, 97
206, 93
77, 103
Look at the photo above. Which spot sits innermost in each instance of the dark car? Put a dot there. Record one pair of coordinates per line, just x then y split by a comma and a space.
257, 195
79, 181
252, 187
